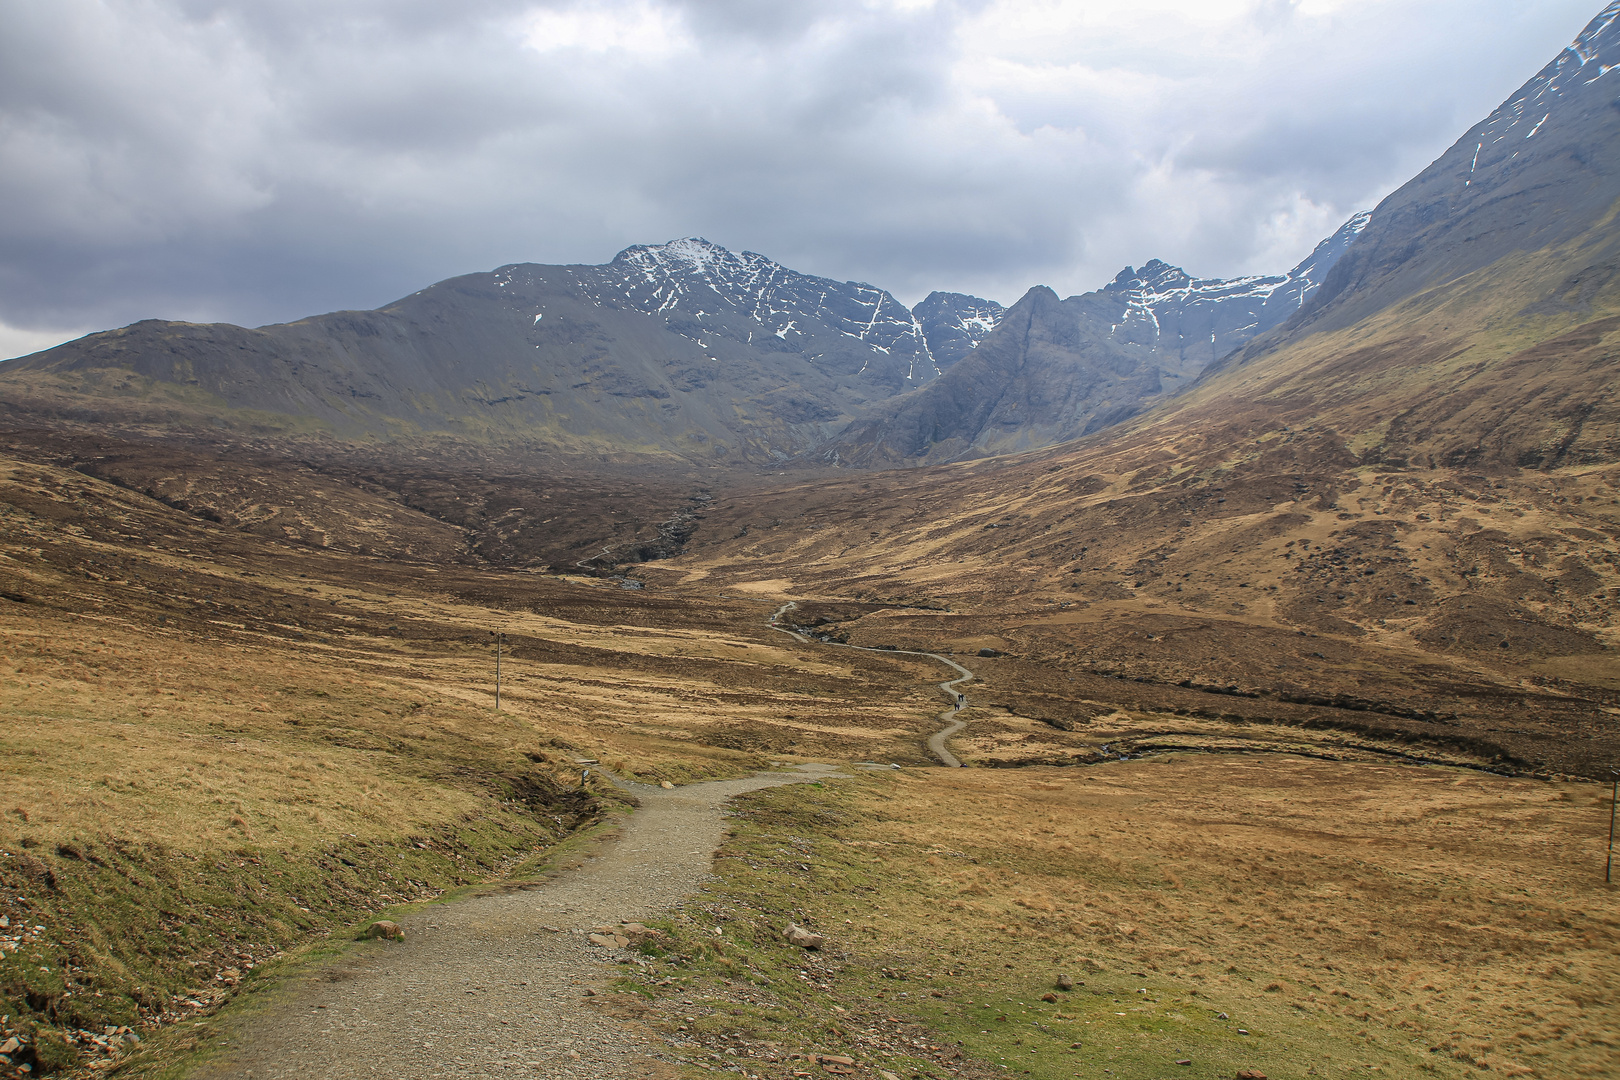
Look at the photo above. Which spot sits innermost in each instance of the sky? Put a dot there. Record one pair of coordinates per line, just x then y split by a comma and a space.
254, 161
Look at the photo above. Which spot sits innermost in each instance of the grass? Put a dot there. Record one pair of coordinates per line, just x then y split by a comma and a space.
174, 822
219, 750
1346, 919
223, 753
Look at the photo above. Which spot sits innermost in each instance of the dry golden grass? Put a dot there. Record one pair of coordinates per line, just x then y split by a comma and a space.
1255, 558
1410, 920
217, 746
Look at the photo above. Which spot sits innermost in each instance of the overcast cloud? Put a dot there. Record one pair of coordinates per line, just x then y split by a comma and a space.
259, 160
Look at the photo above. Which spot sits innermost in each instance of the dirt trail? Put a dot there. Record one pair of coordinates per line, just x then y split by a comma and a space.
951, 716
487, 986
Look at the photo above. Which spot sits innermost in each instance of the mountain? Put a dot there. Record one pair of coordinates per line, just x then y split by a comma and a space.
1187, 323
684, 350
1476, 320
953, 324
1536, 174
1395, 516
681, 350
1055, 370
705, 292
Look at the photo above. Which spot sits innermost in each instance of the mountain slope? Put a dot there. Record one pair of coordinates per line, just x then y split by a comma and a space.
680, 349
1535, 174
1477, 319
1397, 514
1056, 370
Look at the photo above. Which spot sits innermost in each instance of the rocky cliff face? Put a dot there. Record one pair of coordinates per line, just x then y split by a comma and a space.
1051, 370
953, 324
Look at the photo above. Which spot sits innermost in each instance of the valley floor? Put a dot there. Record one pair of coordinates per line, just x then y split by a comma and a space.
225, 752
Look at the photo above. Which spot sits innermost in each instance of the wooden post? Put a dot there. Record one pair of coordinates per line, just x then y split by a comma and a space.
499, 639
1614, 793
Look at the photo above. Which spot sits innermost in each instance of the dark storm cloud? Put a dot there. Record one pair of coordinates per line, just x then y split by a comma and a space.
254, 160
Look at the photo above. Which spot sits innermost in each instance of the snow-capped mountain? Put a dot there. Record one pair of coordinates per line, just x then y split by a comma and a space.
1191, 322
703, 290
1050, 370
953, 324
687, 348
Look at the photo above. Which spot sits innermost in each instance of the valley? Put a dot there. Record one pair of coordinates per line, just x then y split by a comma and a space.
1283, 608
223, 713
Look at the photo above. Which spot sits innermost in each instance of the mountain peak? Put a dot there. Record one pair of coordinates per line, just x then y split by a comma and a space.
706, 292
690, 255
954, 323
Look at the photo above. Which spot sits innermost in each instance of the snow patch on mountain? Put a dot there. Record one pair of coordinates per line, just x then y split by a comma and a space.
953, 324
691, 275
1588, 58
1163, 308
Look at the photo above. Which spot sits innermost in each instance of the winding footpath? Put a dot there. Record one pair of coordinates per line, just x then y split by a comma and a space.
951, 716
495, 985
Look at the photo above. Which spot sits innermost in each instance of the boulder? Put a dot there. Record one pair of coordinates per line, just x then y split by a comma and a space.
803, 938
638, 933
385, 929
1251, 1074
1065, 982
1049, 997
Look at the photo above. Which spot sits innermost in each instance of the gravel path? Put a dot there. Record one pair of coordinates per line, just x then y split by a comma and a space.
494, 986
953, 722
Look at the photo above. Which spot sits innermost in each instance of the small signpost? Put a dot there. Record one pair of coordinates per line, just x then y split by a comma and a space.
500, 639
1614, 793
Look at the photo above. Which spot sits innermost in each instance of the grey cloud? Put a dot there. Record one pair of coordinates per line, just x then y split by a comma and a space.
255, 160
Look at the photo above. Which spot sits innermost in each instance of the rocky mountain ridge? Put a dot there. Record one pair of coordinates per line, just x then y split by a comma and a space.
1200, 320
1056, 370
953, 324
684, 350
1536, 173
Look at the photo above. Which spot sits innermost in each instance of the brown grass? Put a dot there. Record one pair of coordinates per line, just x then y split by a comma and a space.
217, 747
1417, 921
